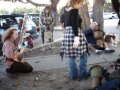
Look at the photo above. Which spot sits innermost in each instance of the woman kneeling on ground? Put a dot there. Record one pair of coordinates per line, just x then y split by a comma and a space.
14, 59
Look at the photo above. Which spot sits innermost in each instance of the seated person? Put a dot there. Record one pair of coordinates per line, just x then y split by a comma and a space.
14, 59
97, 45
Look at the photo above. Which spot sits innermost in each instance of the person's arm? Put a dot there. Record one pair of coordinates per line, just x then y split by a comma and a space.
88, 32
41, 19
74, 17
8, 50
80, 22
10, 53
62, 20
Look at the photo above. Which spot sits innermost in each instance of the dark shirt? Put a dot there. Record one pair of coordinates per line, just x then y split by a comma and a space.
62, 18
72, 18
89, 36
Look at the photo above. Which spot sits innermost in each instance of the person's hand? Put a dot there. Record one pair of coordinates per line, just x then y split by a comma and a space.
22, 50
76, 42
22, 61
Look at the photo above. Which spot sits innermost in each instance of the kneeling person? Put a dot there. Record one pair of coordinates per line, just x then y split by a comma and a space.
14, 59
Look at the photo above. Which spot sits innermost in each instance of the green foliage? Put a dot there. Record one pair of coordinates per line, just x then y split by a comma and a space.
25, 10
3, 11
107, 6
19, 10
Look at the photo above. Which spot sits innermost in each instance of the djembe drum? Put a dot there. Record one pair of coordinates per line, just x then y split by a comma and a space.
98, 34
96, 73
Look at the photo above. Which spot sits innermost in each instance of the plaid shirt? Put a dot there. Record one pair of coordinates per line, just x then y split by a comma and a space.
67, 45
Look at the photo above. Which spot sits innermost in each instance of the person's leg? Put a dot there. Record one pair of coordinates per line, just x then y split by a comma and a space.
42, 37
83, 66
100, 43
107, 49
30, 68
105, 45
43, 40
52, 29
90, 46
19, 67
73, 68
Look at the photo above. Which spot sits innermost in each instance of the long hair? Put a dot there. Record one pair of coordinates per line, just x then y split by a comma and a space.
71, 3
8, 34
49, 10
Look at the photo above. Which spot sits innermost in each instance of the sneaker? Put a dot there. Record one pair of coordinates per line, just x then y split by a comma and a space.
98, 52
109, 50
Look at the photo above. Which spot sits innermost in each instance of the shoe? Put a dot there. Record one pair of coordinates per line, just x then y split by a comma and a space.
10, 75
71, 78
98, 52
109, 51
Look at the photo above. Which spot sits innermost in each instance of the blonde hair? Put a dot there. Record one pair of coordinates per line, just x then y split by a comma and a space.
71, 3
8, 34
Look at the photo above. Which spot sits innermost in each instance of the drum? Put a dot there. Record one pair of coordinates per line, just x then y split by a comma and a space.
96, 73
98, 34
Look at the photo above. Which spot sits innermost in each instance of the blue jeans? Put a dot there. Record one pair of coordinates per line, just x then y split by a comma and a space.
82, 72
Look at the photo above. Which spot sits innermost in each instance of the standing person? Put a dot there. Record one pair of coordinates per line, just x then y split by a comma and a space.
20, 23
47, 20
27, 37
74, 43
14, 59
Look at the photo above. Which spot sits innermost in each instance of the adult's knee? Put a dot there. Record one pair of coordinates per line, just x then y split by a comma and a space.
30, 70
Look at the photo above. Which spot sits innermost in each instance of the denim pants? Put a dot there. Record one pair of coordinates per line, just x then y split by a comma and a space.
82, 72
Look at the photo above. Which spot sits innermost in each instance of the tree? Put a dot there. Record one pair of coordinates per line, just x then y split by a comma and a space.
98, 13
20, 10
53, 5
3, 11
85, 17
